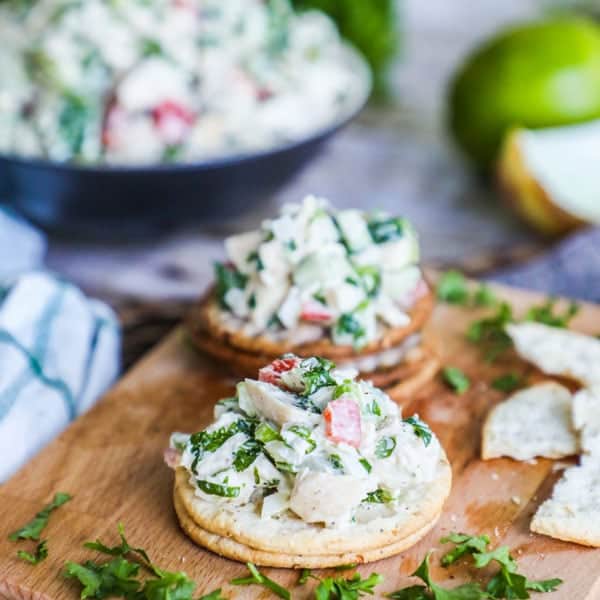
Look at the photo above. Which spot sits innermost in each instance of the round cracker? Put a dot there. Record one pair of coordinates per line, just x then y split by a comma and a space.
290, 535
409, 387
420, 366
229, 548
207, 317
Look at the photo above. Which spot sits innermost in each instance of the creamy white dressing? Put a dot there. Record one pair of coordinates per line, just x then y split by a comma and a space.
138, 81
296, 463
316, 272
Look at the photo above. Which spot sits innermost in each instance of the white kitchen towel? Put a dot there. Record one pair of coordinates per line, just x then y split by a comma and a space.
59, 350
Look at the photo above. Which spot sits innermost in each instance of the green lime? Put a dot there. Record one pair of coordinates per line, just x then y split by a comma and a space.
536, 75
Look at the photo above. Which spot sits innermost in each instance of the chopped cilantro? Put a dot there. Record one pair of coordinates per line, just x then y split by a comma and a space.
379, 496
285, 467
205, 441
489, 332
347, 567
352, 588
72, 122
305, 575
255, 258
385, 446
546, 315
452, 288
246, 454
484, 296
151, 47
336, 462
216, 489
346, 387
432, 591
39, 554
228, 278
317, 374
508, 382
119, 576
370, 279
464, 544
386, 230
33, 529
456, 379
305, 433
366, 464
420, 428
265, 433
348, 323
257, 578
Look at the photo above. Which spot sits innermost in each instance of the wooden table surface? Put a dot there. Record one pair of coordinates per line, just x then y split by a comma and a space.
111, 461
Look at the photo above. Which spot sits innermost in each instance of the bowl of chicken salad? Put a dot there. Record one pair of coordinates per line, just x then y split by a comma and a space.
128, 110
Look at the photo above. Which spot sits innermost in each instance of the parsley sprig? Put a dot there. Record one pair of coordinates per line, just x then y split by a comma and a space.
33, 530
257, 578
37, 556
339, 588
506, 583
453, 288
120, 576
547, 313
456, 379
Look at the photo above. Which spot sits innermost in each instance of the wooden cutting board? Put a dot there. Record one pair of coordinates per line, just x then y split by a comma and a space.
111, 461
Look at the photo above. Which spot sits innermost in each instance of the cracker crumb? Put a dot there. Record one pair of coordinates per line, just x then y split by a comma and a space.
495, 476
496, 531
516, 500
519, 551
453, 518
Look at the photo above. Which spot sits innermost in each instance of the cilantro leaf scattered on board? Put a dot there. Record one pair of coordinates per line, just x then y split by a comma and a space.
453, 288
433, 591
456, 379
507, 382
484, 296
506, 583
546, 314
490, 334
464, 544
39, 554
33, 529
119, 576
339, 588
257, 578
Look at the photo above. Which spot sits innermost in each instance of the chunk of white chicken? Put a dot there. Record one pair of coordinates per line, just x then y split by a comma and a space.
327, 498
274, 404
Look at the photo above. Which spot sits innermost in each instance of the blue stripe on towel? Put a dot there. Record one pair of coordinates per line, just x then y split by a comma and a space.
9, 396
36, 359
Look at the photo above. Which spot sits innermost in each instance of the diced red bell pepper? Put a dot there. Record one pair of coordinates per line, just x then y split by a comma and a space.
315, 312
173, 120
272, 373
342, 422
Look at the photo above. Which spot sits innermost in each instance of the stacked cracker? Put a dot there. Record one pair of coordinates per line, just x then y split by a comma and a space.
344, 285
310, 469
548, 420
